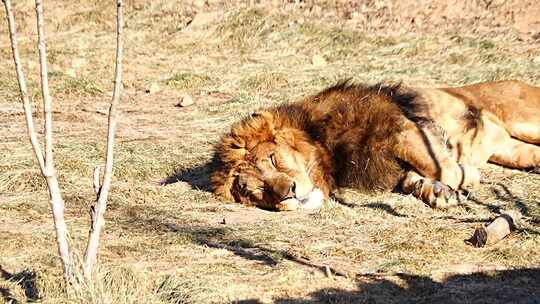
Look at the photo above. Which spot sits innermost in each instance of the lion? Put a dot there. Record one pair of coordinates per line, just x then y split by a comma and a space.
428, 142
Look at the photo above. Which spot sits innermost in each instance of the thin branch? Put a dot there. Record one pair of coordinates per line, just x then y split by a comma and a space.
57, 203
101, 205
47, 100
22, 86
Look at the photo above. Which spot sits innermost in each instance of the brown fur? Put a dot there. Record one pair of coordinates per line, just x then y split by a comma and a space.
358, 126
369, 137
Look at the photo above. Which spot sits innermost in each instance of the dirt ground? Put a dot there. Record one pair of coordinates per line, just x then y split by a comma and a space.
177, 243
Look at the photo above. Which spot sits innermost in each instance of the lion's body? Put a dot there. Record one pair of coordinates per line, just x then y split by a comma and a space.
428, 141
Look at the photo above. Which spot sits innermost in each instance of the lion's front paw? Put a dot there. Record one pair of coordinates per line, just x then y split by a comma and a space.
436, 194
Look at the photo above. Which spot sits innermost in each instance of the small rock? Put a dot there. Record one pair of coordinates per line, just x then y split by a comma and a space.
202, 21
152, 89
186, 101
536, 59
318, 61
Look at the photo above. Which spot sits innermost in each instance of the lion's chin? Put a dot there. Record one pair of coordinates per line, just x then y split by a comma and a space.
314, 200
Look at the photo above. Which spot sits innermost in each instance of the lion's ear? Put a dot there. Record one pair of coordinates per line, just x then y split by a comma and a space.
247, 134
258, 128
265, 117
233, 148
256, 114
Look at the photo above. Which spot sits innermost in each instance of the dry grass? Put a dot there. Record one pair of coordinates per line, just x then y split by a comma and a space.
177, 243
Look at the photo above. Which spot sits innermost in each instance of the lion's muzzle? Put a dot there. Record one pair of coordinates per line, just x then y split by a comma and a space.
313, 200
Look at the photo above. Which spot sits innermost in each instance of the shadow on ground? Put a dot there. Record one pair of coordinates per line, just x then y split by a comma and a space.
198, 177
508, 286
26, 279
225, 238
384, 207
503, 193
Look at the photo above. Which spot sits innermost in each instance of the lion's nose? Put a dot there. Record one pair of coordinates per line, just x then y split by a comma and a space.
292, 191
285, 188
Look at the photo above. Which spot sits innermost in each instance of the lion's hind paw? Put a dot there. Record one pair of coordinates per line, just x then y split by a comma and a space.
535, 169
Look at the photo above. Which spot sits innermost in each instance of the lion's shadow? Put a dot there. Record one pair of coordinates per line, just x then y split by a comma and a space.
197, 177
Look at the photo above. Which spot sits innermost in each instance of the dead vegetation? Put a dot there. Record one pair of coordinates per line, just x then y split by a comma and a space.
176, 243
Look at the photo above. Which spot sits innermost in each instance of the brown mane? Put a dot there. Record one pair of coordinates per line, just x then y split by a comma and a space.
359, 124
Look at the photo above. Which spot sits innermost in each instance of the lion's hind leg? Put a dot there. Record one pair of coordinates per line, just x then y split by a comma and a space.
516, 154
432, 192
528, 131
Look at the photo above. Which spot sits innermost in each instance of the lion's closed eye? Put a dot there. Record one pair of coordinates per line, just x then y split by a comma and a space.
273, 160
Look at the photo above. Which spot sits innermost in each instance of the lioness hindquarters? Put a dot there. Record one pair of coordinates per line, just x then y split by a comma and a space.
510, 122
519, 111
515, 103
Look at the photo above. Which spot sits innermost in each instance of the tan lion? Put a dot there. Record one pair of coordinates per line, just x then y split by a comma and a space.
424, 141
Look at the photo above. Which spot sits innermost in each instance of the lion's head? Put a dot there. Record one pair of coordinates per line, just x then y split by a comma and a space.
269, 161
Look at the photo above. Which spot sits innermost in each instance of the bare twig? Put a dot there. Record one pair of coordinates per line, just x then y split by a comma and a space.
47, 100
329, 270
45, 162
101, 204
56, 200
22, 85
